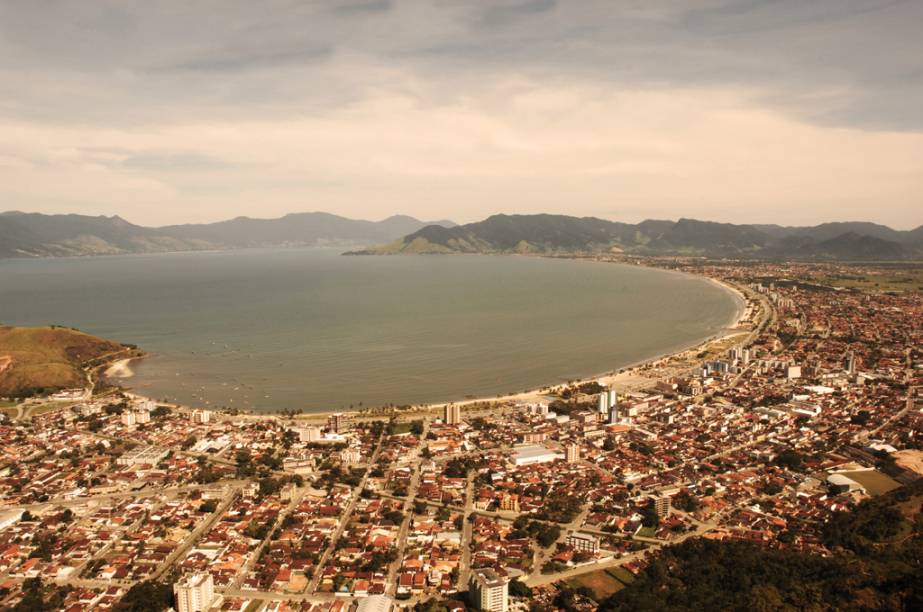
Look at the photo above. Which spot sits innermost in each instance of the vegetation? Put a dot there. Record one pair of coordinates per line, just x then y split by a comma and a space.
878, 565
146, 597
42, 360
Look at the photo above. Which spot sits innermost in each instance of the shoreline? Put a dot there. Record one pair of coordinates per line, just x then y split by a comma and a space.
629, 376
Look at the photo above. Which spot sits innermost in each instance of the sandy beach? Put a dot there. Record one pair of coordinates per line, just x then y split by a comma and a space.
120, 369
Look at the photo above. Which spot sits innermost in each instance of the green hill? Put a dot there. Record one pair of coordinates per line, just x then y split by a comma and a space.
37, 360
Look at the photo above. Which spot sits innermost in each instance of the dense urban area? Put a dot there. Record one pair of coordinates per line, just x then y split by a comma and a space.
791, 444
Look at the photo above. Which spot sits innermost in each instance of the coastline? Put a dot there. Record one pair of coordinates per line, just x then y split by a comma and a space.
627, 378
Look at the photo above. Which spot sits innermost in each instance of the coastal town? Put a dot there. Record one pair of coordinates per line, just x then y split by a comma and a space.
552, 499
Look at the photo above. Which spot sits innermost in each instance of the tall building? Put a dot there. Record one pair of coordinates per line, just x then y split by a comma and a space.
310, 433
662, 505
201, 416
604, 402
849, 363
194, 593
572, 453
338, 423
584, 542
451, 414
490, 590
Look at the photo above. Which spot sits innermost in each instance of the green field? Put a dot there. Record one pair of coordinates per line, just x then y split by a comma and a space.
604, 582
908, 279
874, 481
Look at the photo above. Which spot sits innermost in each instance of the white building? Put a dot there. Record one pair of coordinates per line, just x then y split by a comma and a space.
150, 455
528, 455
490, 590
451, 414
129, 418
572, 453
201, 416
10, 517
310, 433
583, 542
351, 455
195, 592
375, 603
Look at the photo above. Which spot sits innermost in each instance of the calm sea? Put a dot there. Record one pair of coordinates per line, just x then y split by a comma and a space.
310, 329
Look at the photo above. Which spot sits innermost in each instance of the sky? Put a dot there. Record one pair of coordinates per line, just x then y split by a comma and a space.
742, 111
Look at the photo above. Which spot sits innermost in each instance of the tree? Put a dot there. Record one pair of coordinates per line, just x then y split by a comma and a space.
146, 596
518, 588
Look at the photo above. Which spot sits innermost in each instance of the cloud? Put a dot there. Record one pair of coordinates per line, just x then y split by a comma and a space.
737, 110
519, 146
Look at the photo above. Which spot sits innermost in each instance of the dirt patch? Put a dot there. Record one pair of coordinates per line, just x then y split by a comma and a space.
910, 460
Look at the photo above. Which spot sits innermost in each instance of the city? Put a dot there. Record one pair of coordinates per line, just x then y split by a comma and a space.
808, 406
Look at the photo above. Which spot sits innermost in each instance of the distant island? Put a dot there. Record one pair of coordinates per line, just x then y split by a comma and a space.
565, 235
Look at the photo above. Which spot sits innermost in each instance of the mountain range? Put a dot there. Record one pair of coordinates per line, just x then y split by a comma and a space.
561, 234
38, 235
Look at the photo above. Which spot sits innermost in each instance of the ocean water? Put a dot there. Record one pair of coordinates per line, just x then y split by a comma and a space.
311, 329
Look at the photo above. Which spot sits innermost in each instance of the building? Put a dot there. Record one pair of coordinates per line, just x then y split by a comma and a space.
572, 453
10, 517
451, 414
311, 433
194, 593
584, 542
509, 502
150, 455
351, 455
142, 416
839, 483
528, 455
338, 423
662, 506
128, 418
793, 372
849, 364
375, 603
201, 416
490, 590
604, 402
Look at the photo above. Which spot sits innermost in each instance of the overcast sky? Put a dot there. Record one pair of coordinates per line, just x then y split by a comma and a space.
741, 111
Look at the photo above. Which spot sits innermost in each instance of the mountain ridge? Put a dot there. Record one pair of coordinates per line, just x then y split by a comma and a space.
562, 234
38, 235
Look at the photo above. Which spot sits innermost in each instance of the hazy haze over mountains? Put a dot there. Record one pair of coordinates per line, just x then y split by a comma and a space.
37, 235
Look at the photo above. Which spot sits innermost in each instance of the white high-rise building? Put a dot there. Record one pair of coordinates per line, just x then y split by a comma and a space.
604, 402
451, 414
201, 416
194, 593
490, 590
311, 433
572, 453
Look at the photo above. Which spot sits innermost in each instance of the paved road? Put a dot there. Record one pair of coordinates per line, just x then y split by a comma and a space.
350, 506
464, 564
407, 509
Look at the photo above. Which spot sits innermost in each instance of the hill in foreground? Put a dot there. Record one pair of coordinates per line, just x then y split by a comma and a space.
37, 360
